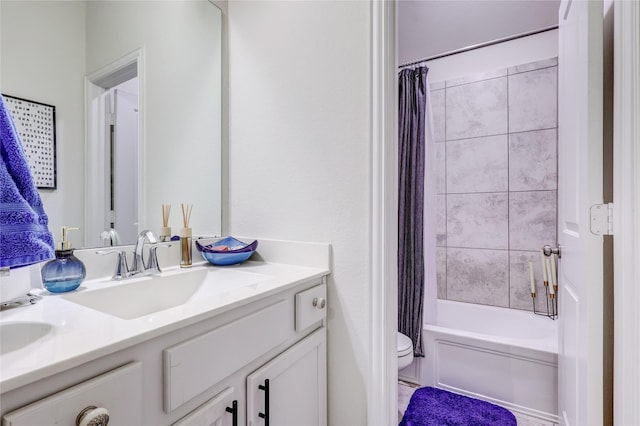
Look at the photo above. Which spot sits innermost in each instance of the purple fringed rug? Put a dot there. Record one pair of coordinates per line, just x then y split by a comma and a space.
436, 407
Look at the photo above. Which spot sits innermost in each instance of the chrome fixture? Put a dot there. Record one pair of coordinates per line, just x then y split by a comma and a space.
28, 299
138, 263
122, 269
549, 257
548, 250
139, 266
110, 237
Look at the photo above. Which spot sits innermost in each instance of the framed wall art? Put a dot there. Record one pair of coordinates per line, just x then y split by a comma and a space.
36, 126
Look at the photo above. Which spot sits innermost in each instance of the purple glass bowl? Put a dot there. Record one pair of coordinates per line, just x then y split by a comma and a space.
237, 251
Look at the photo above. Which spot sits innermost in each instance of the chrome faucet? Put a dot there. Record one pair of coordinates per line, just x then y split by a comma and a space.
139, 267
138, 262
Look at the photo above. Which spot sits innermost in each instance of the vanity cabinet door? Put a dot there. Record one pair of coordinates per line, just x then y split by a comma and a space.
291, 389
117, 394
221, 410
193, 366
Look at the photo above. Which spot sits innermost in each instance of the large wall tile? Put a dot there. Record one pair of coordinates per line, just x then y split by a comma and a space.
437, 108
533, 100
520, 283
437, 85
477, 220
478, 165
477, 77
441, 158
496, 180
441, 271
441, 220
532, 219
477, 109
533, 161
478, 276
545, 63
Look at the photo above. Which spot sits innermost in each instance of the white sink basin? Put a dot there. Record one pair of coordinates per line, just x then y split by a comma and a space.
150, 294
17, 335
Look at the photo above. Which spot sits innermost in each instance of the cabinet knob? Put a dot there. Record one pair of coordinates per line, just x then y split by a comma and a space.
319, 303
93, 416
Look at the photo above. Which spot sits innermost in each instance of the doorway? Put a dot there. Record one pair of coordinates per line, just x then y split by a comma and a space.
114, 152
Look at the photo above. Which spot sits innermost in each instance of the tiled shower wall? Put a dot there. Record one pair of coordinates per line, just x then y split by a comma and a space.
496, 137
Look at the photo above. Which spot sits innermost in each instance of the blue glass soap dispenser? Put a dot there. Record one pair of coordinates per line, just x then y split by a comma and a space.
66, 272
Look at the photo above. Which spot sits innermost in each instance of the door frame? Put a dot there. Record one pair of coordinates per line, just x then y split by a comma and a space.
382, 403
94, 83
383, 316
626, 240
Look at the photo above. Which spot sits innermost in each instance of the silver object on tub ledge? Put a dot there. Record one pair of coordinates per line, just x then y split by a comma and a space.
548, 250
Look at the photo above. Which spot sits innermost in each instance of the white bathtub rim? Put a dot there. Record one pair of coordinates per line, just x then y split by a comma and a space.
549, 346
538, 332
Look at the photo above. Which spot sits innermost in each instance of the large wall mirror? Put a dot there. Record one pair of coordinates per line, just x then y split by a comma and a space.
137, 91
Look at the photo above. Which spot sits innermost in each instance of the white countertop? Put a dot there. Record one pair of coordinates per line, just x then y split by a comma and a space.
80, 334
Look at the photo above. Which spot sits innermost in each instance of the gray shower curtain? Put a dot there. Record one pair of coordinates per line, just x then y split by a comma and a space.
411, 157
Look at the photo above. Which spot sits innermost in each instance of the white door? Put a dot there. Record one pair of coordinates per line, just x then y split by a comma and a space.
291, 389
124, 168
579, 187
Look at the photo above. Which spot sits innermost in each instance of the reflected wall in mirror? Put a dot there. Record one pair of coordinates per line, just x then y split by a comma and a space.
48, 48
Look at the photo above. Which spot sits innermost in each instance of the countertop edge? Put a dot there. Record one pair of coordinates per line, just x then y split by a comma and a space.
40, 373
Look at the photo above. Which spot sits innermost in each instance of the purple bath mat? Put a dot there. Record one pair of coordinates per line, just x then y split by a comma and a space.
436, 407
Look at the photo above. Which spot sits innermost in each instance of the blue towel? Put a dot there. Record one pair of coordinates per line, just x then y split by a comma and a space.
24, 235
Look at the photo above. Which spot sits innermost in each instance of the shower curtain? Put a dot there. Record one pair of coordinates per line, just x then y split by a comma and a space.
416, 194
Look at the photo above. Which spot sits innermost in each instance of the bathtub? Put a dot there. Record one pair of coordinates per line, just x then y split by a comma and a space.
505, 356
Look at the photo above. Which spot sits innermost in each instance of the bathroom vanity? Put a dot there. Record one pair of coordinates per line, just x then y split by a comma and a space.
212, 345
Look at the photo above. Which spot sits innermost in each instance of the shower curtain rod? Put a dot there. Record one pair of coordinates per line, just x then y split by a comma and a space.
479, 45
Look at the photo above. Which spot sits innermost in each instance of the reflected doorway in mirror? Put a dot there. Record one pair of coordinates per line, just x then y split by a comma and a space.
114, 157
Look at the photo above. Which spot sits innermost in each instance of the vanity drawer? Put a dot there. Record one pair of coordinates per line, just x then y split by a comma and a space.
119, 391
194, 366
311, 306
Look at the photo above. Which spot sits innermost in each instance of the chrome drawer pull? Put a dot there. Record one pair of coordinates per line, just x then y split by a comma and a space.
319, 303
93, 416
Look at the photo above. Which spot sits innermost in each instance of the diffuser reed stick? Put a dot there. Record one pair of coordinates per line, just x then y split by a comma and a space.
185, 236
165, 230
186, 214
166, 211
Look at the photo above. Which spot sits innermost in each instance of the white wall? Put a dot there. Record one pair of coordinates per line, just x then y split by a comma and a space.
42, 59
299, 158
427, 28
503, 55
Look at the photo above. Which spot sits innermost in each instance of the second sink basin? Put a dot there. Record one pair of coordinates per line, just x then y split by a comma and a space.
17, 335
144, 296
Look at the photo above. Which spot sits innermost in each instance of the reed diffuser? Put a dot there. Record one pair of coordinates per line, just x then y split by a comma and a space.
165, 231
185, 237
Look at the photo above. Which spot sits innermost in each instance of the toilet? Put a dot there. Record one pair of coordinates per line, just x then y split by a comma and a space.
405, 351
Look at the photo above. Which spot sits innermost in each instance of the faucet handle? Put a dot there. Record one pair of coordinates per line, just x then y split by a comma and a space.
122, 269
152, 264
